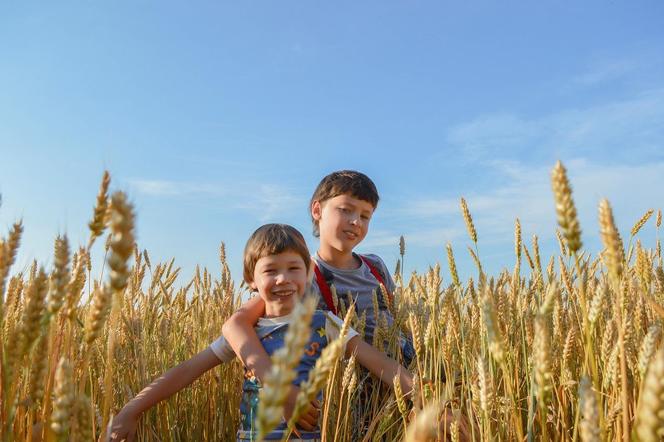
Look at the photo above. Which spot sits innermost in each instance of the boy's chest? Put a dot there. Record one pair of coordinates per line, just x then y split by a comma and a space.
275, 339
348, 292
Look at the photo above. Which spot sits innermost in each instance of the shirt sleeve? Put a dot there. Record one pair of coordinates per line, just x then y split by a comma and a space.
333, 326
222, 349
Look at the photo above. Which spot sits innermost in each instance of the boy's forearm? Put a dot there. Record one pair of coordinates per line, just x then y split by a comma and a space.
241, 336
390, 369
379, 364
172, 381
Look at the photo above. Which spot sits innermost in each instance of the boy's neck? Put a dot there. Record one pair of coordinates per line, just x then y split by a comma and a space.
272, 312
338, 259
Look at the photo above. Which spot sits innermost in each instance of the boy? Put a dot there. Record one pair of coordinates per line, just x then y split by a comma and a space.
341, 209
276, 264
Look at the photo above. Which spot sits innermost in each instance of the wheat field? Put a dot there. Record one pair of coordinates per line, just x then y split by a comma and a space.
566, 347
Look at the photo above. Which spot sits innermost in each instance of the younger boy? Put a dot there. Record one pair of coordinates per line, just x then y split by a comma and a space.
276, 265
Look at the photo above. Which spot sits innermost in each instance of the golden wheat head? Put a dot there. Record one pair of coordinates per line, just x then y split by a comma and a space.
565, 209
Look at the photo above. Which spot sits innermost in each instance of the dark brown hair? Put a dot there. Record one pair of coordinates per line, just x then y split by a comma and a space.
273, 239
344, 182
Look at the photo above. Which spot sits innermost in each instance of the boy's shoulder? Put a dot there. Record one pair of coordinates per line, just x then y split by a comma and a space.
373, 259
372, 264
377, 262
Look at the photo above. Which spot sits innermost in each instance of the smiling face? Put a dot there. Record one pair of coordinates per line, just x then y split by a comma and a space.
280, 281
343, 221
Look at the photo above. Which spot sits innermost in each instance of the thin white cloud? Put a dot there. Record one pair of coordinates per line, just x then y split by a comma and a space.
265, 200
606, 71
616, 149
621, 127
174, 188
271, 201
476, 139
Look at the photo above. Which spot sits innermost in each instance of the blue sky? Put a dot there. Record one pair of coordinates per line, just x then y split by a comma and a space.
218, 117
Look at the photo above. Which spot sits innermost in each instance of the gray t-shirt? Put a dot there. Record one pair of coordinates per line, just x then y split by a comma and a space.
357, 285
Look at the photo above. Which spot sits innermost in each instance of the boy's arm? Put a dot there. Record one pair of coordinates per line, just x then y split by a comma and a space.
386, 369
240, 334
174, 380
379, 364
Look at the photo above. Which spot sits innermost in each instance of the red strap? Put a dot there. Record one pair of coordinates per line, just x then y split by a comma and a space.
324, 289
376, 274
327, 293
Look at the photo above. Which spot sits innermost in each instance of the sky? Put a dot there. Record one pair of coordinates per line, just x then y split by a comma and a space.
217, 117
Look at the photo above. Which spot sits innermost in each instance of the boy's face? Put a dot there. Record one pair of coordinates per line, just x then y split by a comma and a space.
280, 281
343, 221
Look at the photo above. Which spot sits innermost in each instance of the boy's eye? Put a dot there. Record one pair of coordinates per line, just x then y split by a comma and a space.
364, 217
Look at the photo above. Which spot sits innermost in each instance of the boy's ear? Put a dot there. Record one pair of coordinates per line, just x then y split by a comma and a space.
316, 210
253, 286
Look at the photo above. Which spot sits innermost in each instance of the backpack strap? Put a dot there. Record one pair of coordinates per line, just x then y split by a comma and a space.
324, 289
379, 278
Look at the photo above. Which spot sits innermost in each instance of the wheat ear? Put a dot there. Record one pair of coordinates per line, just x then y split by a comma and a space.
468, 219
589, 425
98, 222
649, 414
278, 380
565, 209
613, 244
451, 263
644, 219
63, 401
60, 276
8, 250
321, 371
122, 245
425, 426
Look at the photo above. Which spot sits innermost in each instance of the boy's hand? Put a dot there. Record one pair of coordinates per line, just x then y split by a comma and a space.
122, 427
309, 418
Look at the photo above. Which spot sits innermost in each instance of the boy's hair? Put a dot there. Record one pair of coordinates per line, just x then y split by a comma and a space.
344, 182
273, 239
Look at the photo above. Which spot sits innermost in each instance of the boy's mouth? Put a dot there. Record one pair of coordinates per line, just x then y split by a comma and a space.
283, 293
350, 234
